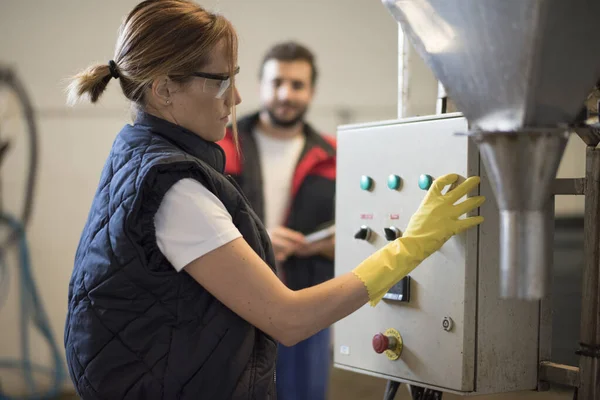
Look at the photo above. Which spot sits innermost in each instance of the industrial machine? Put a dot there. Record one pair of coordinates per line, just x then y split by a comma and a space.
473, 318
453, 332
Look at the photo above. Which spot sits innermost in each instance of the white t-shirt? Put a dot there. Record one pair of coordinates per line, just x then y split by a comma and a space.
191, 222
278, 159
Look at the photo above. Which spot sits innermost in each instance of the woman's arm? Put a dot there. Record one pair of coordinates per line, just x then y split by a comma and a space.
194, 231
242, 281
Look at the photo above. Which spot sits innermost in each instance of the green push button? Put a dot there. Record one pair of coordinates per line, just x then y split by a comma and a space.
425, 181
394, 182
366, 182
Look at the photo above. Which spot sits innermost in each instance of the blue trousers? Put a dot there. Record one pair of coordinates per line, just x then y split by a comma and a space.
303, 369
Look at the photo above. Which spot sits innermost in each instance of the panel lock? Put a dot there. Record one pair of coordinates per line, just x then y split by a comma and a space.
447, 324
364, 233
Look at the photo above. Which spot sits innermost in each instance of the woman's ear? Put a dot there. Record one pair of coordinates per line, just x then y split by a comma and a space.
162, 90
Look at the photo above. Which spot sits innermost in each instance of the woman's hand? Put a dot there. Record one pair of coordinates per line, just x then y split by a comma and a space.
436, 221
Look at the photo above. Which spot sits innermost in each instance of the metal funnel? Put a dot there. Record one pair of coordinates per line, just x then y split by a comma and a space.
519, 70
522, 167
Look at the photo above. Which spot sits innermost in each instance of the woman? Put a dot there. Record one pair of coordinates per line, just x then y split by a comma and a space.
173, 294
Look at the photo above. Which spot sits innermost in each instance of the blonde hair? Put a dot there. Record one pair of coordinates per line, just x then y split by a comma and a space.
157, 38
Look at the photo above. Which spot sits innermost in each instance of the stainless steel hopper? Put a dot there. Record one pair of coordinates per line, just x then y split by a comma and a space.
519, 70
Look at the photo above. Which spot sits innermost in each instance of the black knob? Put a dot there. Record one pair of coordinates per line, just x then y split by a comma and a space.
364, 233
391, 233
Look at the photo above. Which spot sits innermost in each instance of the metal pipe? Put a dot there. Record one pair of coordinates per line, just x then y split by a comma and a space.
589, 352
523, 259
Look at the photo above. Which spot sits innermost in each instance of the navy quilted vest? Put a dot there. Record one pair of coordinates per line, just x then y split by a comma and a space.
137, 329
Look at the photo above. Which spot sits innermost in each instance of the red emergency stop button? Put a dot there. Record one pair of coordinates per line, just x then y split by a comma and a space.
381, 343
390, 343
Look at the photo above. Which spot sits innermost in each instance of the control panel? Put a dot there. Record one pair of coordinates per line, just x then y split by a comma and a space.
444, 326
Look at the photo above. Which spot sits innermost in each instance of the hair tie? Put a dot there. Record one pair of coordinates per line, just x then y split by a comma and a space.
112, 66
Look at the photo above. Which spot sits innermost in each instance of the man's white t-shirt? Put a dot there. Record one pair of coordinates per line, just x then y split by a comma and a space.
191, 221
278, 159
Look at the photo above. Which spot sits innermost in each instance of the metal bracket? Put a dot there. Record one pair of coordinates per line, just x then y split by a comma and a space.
588, 350
589, 368
569, 186
561, 374
589, 134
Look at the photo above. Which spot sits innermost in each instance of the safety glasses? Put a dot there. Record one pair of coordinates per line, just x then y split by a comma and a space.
215, 84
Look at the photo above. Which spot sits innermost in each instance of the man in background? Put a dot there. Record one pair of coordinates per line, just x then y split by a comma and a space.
287, 170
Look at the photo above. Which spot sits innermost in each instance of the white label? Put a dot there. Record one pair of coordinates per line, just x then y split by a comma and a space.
345, 350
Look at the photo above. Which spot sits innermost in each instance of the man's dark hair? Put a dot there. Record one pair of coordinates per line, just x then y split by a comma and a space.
290, 51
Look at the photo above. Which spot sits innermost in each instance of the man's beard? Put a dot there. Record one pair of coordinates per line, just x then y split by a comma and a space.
283, 123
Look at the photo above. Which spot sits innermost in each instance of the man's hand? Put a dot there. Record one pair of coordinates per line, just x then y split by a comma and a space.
324, 247
285, 242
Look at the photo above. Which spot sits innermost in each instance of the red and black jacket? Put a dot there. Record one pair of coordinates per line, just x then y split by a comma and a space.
312, 193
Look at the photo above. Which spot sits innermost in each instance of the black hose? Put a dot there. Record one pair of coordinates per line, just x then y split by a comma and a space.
9, 79
390, 390
420, 393
32, 310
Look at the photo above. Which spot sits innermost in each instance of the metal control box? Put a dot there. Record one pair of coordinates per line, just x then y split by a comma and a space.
458, 335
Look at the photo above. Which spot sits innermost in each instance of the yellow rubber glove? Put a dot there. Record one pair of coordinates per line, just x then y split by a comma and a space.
436, 221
